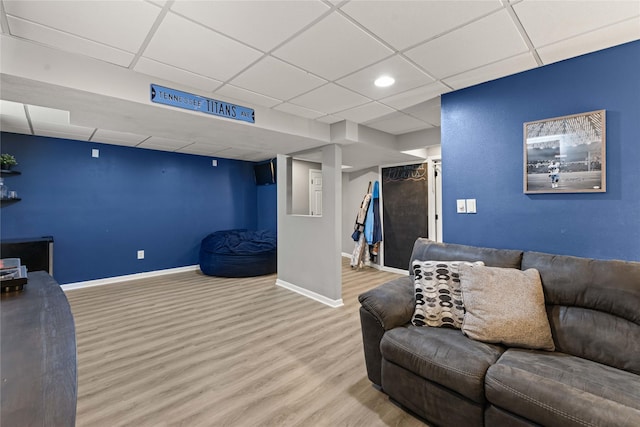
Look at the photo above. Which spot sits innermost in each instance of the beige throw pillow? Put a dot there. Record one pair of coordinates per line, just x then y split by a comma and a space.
505, 305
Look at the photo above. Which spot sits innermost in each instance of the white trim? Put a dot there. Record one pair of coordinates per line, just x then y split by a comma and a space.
346, 255
434, 199
125, 278
333, 303
395, 270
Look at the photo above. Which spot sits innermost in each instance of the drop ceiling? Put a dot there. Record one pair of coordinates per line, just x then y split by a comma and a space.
303, 64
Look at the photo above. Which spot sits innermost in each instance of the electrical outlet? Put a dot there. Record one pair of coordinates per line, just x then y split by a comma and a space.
140, 254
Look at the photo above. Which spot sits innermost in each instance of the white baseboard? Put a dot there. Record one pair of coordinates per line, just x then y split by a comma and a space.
367, 263
125, 278
334, 303
395, 270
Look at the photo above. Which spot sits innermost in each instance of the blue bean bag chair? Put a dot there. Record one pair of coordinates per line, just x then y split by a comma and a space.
239, 253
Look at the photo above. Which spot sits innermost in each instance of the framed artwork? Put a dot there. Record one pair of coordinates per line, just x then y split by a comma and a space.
566, 154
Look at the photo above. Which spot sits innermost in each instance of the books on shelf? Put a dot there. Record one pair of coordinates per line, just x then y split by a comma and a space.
13, 276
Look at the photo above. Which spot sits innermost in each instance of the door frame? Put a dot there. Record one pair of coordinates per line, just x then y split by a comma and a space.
434, 203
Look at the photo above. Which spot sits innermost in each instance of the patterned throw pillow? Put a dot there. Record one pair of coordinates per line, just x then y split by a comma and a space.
438, 294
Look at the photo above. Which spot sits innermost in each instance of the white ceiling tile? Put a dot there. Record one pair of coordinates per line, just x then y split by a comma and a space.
164, 143
485, 41
397, 123
13, 109
13, 118
200, 149
551, 21
333, 48
407, 77
277, 79
173, 74
10, 124
415, 96
56, 130
299, 111
156, 147
234, 152
180, 43
120, 24
493, 71
243, 95
259, 156
262, 24
407, 23
428, 111
329, 119
366, 112
48, 115
56, 123
606, 37
329, 99
118, 138
69, 42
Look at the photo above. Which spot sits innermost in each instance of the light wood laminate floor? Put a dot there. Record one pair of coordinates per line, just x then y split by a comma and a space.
192, 350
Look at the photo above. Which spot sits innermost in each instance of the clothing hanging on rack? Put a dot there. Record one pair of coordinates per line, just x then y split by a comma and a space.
373, 225
361, 249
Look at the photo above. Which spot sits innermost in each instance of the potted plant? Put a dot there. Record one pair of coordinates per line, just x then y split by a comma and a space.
7, 161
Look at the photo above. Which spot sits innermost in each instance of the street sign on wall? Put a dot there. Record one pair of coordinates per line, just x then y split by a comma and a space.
188, 101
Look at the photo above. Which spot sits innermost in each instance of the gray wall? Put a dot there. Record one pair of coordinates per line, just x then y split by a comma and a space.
309, 246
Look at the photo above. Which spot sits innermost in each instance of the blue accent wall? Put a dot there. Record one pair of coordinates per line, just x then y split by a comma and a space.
101, 211
267, 207
482, 153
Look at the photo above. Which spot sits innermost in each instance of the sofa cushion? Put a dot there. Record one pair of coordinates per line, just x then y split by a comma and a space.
425, 249
505, 305
442, 355
438, 294
560, 389
593, 307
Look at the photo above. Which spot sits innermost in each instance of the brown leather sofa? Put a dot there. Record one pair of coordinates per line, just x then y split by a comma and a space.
591, 379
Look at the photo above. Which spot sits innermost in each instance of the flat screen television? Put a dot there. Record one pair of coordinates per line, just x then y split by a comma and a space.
265, 172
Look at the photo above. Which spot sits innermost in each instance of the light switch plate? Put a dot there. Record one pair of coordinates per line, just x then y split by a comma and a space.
95, 153
461, 206
471, 206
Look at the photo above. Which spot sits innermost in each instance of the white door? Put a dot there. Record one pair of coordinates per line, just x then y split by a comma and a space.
315, 192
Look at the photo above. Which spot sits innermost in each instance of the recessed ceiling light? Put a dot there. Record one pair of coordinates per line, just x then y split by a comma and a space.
384, 81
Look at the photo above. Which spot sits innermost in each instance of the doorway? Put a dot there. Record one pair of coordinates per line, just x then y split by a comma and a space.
411, 204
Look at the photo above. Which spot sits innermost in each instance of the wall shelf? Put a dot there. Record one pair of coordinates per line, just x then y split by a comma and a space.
7, 201
7, 172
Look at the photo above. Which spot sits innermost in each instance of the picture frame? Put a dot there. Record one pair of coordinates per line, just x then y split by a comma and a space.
565, 154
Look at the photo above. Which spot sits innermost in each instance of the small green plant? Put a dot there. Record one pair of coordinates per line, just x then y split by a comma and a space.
7, 160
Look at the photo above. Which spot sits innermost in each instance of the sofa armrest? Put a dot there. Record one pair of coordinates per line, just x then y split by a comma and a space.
392, 303
388, 306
